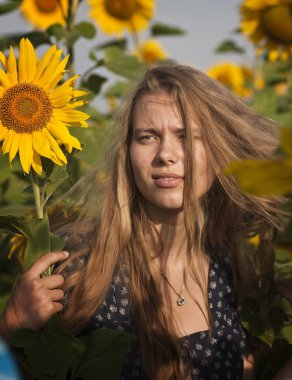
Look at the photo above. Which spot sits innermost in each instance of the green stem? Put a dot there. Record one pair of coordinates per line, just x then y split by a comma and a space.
38, 196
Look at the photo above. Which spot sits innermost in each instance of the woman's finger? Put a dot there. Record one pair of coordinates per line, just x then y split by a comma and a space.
53, 282
45, 261
56, 294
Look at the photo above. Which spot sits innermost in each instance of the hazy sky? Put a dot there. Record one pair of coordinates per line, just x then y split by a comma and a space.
207, 22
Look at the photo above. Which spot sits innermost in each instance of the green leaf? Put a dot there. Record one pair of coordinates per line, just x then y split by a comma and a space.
47, 352
286, 333
159, 29
15, 225
118, 89
104, 356
36, 38
56, 30
121, 43
94, 83
57, 176
86, 30
14, 210
119, 63
9, 6
41, 242
229, 46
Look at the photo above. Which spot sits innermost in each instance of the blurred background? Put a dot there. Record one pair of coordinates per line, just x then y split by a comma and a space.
244, 44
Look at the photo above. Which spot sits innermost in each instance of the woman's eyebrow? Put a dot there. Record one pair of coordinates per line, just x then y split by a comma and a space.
137, 131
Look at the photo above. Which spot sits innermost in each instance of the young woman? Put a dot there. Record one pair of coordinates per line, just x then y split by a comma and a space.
159, 250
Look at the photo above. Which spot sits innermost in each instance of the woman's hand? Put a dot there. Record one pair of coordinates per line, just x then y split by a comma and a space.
34, 298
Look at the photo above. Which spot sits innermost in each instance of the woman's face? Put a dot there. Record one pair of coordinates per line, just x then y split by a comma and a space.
157, 153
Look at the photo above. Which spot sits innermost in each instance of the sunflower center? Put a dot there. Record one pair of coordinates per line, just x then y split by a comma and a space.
25, 108
46, 6
121, 9
277, 22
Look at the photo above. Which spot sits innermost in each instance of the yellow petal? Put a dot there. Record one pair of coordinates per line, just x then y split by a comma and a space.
61, 132
8, 141
41, 145
263, 178
49, 71
3, 132
4, 80
2, 59
12, 68
36, 163
26, 152
58, 74
31, 61
43, 63
22, 62
69, 116
55, 147
14, 147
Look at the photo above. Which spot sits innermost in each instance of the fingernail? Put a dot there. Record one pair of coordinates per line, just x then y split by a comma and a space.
66, 253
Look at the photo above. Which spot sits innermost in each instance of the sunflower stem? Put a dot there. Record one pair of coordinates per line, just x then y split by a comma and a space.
38, 196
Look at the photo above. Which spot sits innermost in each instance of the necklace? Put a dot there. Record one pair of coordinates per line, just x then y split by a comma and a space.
180, 298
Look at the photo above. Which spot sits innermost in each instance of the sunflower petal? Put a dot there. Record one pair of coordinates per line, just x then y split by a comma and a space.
36, 163
69, 116
31, 61
14, 147
2, 59
55, 147
50, 69
26, 152
41, 144
58, 73
3, 132
43, 63
12, 68
22, 62
61, 132
4, 80
8, 141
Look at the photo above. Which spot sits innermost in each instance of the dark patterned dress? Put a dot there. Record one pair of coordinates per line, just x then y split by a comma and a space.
217, 355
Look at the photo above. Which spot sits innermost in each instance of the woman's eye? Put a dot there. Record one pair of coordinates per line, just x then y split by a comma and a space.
147, 138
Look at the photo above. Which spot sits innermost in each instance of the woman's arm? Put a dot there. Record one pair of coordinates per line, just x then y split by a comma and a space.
34, 298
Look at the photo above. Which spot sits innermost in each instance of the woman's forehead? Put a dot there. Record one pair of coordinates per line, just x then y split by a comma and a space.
149, 106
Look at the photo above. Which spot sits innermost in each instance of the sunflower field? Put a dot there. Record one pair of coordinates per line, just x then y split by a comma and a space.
55, 125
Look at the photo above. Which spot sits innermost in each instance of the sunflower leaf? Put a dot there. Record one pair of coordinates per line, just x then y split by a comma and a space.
48, 352
94, 83
15, 225
86, 30
159, 29
42, 241
228, 46
56, 30
56, 178
36, 38
119, 63
9, 6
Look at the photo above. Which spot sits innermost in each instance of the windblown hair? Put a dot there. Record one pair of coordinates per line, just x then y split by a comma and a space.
116, 219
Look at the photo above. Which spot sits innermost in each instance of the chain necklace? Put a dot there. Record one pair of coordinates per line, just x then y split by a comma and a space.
180, 298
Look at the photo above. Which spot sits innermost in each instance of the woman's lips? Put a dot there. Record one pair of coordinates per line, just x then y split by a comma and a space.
167, 180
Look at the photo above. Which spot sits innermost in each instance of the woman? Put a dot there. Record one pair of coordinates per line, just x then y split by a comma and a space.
159, 250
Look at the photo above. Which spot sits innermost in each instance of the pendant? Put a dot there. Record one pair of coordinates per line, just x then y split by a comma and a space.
180, 300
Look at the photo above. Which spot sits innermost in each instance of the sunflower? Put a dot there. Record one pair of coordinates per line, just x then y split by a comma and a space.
17, 246
113, 16
150, 51
34, 112
233, 76
268, 25
44, 13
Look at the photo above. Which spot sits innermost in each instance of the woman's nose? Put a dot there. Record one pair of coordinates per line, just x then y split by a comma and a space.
168, 152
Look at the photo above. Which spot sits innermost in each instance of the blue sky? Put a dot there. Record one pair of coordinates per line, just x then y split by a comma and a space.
207, 22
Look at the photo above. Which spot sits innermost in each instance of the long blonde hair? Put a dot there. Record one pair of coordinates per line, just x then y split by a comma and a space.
115, 218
